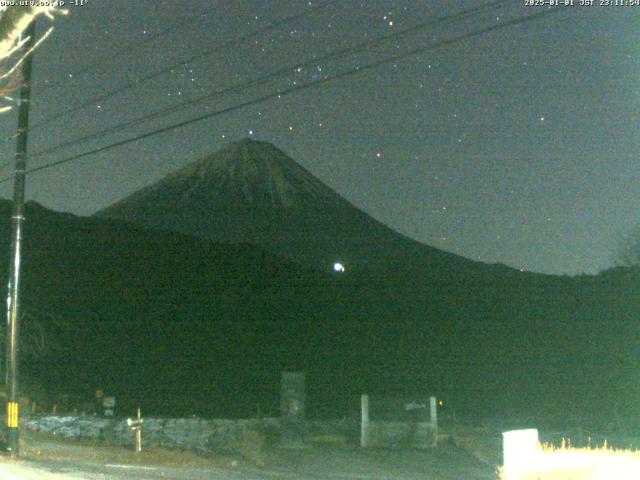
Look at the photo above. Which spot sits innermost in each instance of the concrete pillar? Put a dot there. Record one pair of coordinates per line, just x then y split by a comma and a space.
292, 409
364, 420
433, 420
292, 395
433, 408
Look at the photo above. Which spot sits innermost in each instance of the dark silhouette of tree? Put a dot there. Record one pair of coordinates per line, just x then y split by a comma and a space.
13, 21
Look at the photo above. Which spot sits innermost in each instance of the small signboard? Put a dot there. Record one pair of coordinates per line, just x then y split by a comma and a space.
109, 404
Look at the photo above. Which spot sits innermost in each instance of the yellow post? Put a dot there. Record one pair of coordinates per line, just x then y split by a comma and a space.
12, 414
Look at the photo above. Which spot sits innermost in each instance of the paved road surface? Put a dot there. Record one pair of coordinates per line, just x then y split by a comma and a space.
29, 470
295, 466
50, 458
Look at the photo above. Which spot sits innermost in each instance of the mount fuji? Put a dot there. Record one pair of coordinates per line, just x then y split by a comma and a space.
252, 192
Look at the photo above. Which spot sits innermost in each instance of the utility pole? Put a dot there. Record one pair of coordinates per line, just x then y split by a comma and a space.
17, 220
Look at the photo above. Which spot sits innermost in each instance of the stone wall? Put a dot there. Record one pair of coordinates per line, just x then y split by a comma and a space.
226, 436
219, 435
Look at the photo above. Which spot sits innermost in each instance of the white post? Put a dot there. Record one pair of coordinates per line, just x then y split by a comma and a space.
136, 427
520, 449
139, 433
364, 422
433, 406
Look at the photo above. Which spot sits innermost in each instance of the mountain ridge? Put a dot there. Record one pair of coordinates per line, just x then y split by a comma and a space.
251, 191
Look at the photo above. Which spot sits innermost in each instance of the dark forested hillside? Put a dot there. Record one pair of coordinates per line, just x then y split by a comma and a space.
187, 325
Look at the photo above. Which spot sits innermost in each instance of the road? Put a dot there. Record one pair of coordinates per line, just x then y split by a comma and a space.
302, 467
29, 470
47, 458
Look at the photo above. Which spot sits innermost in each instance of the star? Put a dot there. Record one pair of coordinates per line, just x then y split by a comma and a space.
472, 91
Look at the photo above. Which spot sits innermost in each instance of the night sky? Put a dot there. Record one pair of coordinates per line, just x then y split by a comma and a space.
516, 146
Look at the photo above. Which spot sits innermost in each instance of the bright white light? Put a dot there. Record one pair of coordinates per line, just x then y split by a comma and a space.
338, 267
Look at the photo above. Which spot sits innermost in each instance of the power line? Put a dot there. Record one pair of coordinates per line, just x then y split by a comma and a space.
290, 90
164, 70
294, 89
439, 21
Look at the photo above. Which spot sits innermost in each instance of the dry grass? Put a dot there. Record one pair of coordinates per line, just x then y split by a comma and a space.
567, 463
